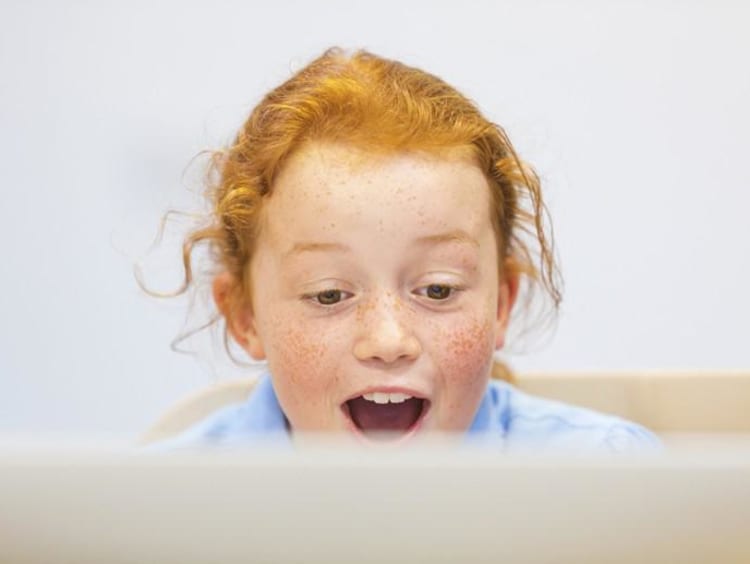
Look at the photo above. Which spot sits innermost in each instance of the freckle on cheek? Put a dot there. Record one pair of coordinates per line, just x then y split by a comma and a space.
468, 350
299, 354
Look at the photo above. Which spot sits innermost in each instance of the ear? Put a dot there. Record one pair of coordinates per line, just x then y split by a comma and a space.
506, 297
238, 314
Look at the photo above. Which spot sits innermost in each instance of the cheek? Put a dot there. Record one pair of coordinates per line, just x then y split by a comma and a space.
303, 361
464, 357
295, 355
303, 367
466, 352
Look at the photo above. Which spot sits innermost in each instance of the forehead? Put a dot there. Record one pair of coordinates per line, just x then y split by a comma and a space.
325, 183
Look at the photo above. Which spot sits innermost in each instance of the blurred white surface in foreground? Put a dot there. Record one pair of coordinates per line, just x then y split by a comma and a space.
323, 504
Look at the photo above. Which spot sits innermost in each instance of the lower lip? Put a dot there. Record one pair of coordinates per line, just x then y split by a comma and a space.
399, 439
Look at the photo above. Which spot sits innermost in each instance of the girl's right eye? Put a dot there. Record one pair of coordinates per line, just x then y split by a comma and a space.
329, 297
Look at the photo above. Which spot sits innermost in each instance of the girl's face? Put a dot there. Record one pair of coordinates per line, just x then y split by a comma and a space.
376, 295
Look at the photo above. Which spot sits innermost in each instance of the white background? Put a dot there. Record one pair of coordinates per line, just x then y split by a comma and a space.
634, 113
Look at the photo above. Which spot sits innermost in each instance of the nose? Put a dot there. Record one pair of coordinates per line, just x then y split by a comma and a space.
385, 334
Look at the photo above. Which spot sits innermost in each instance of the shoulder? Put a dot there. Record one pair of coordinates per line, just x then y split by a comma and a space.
531, 422
258, 418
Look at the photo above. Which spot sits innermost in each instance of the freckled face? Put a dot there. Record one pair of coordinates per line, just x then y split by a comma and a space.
377, 273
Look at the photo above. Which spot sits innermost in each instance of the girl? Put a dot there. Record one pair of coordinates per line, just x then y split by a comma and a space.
372, 230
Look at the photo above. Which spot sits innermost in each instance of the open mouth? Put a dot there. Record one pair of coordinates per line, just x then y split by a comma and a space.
386, 416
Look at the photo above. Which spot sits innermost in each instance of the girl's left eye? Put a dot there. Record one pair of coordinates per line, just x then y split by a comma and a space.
437, 291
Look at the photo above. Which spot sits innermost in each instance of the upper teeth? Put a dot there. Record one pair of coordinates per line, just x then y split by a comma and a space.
380, 397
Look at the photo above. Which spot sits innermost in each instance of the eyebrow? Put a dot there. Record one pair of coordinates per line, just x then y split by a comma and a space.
300, 248
455, 236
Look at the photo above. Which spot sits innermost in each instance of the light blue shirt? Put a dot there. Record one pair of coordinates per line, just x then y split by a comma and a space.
507, 420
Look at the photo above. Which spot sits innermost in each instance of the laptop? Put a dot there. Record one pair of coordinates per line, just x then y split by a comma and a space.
329, 504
